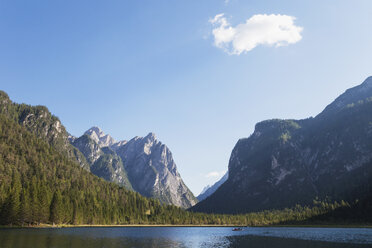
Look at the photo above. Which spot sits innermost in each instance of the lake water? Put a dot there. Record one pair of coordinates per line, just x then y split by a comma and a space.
206, 237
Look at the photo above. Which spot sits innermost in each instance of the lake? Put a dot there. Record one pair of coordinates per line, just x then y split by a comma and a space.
206, 237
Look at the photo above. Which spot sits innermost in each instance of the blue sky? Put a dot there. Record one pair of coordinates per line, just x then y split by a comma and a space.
131, 67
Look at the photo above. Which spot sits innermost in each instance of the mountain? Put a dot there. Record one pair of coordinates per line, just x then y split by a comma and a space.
289, 162
143, 164
103, 161
39, 121
153, 172
99, 137
209, 190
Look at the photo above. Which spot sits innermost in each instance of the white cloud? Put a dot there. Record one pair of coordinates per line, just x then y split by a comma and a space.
215, 174
271, 30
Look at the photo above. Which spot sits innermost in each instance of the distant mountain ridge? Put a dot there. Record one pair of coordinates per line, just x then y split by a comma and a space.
288, 162
142, 164
210, 189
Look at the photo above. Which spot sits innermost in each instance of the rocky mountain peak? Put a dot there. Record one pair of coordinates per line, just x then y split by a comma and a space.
153, 172
100, 137
142, 163
96, 130
151, 136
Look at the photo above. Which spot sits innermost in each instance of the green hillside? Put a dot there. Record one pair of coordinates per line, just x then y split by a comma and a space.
38, 184
39, 121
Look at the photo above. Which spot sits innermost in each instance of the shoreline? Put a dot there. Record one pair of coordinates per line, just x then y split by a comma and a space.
46, 226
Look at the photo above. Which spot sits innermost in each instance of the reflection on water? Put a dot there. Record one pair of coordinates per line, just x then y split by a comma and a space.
44, 241
178, 237
274, 242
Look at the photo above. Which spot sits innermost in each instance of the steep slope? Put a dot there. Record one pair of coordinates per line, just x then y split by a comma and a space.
38, 120
103, 161
153, 172
209, 190
285, 162
143, 164
89, 148
96, 134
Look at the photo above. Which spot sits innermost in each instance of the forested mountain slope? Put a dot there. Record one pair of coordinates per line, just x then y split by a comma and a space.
38, 120
38, 184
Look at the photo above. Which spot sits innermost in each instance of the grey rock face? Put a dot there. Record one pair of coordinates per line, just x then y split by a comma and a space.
144, 164
91, 150
103, 161
110, 167
153, 172
209, 190
118, 144
96, 134
288, 162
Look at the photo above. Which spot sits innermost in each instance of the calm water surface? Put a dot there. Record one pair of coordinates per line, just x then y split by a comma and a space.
131, 237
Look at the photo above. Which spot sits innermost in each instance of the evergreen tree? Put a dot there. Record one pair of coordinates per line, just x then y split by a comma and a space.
56, 208
11, 208
25, 215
